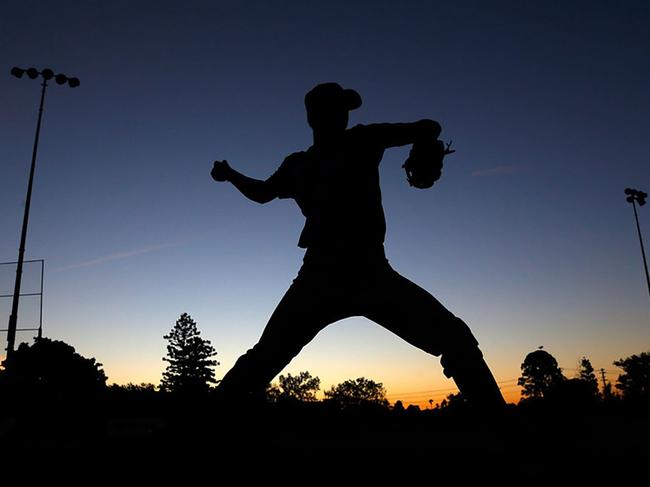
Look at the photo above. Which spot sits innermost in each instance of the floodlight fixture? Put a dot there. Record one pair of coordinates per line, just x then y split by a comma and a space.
636, 196
47, 74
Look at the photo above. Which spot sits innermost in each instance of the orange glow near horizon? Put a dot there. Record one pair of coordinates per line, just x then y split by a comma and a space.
510, 390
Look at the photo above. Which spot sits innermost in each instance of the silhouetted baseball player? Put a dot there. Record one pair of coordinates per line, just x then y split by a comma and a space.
345, 271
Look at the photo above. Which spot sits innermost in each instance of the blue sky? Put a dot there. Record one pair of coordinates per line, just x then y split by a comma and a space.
527, 236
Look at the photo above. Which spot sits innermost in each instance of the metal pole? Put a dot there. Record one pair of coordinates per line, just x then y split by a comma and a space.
13, 318
645, 262
40, 318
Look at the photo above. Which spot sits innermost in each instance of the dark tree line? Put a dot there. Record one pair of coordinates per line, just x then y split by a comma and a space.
51, 368
350, 393
543, 379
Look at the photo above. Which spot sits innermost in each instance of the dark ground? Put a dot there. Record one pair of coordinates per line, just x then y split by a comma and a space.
315, 443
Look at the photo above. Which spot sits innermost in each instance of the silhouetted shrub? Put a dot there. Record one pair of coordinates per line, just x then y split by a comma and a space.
540, 374
634, 383
50, 370
302, 387
453, 403
357, 392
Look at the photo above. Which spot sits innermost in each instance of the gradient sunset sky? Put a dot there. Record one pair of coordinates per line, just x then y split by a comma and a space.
527, 236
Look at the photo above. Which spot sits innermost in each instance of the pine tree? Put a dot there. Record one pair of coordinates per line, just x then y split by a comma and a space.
189, 357
587, 375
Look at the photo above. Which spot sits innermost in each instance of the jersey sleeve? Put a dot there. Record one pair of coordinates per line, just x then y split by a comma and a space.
281, 182
400, 134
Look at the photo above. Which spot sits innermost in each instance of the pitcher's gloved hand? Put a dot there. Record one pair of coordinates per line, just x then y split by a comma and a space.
221, 171
424, 164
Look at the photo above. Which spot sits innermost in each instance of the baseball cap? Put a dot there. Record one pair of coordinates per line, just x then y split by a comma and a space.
332, 94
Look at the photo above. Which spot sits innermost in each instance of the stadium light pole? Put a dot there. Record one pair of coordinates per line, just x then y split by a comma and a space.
32, 73
635, 196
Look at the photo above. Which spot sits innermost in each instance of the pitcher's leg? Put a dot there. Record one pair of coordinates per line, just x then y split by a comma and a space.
304, 310
416, 316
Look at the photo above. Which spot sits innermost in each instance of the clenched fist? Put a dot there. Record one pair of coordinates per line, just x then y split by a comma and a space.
220, 171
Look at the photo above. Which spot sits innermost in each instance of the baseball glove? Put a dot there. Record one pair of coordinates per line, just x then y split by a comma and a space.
424, 164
